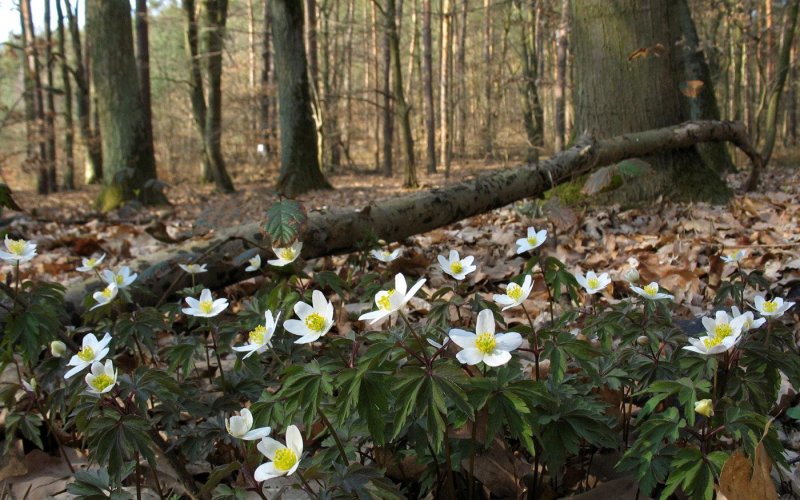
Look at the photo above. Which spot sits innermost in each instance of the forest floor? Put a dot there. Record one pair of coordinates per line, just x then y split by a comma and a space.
678, 245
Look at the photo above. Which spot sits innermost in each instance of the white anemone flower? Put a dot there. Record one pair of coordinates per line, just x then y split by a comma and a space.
105, 296
392, 300
749, 319
455, 266
772, 308
736, 256
386, 256
88, 265
260, 338
123, 278
241, 427
651, 292
515, 294
205, 306
723, 333
315, 320
18, 250
286, 255
58, 348
285, 459
484, 345
92, 350
193, 268
532, 241
102, 378
255, 264
593, 283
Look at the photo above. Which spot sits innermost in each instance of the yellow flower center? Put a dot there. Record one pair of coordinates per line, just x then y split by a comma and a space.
102, 382
485, 342
386, 254
286, 254
254, 261
722, 330
710, 342
593, 283
91, 262
456, 267
284, 459
514, 291
17, 247
257, 335
532, 240
206, 306
119, 279
315, 323
770, 306
384, 302
86, 354
107, 293
651, 289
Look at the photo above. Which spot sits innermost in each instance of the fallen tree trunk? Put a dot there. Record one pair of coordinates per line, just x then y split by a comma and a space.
339, 231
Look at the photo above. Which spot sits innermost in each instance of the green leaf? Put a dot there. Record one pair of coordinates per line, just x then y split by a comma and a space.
285, 220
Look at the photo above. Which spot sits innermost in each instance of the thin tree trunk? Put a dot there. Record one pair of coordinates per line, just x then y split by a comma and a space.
68, 182
776, 91
31, 55
488, 81
50, 111
143, 64
377, 90
791, 106
460, 130
561, 76
251, 60
91, 139
388, 104
446, 62
196, 92
265, 132
427, 83
216, 15
348, 76
412, 50
532, 113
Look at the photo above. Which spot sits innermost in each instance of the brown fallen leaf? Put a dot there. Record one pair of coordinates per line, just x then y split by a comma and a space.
741, 480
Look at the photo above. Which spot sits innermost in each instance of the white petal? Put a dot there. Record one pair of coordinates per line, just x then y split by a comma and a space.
294, 440
259, 433
443, 262
485, 323
75, 370
205, 295
462, 338
497, 358
453, 256
318, 300
400, 286
308, 338
470, 356
301, 309
268, 447
266, 471
508, 341
295, 327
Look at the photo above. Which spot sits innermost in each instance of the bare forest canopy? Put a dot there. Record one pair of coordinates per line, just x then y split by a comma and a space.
400, 87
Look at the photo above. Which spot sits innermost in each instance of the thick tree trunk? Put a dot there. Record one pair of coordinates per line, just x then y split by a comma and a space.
300, 169
603, 37
90, 139
68, 182
339, 231
216, 15
130, 166
427, 83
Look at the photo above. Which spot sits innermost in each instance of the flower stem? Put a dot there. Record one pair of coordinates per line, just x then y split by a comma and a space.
419, 339
306, 485
536, 350
216, 353
335, 436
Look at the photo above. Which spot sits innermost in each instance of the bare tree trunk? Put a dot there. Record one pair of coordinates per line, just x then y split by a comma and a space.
337, 231
265, 132
68, 182
377, 89
216, 15
488, 124
143, 64
561, 75
348, 76
196, 92
776, 90
446, 63
412, 51
31, 55
91, 139
251, 60
427, 82
532, 113
460, 130
50, 111
791, 107
388, 105
738, 67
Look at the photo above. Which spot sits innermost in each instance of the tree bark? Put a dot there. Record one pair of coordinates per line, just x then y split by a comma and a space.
90, 139
532, 112
602, 37
445, 78
143, 64
300, 169
196, 92
216, 15
388, 103
265, 132
460, 129
488, 123
427, 83
68, 182
561, 76
130, 167
50, 110
339, 231
38, 154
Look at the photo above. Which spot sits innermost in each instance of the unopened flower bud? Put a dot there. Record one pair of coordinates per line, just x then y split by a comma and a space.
643, 340
631, 275
704, 407
57, 348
